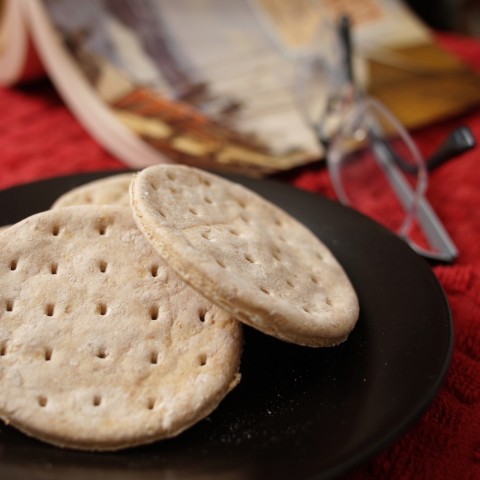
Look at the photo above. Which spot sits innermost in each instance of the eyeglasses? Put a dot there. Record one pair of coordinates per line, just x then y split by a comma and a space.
373, 163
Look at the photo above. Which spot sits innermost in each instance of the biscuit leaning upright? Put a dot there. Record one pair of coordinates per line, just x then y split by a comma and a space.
102, 345
245, 254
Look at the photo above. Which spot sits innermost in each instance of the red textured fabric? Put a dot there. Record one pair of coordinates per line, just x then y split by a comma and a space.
40, 138
445, 442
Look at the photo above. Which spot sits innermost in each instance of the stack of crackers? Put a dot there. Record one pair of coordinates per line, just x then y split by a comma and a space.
122, 306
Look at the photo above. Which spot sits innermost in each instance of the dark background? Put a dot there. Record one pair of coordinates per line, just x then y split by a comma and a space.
461, 16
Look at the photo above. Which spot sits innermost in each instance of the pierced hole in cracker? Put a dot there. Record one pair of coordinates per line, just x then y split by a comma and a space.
102, 308
202, 359
245, 219
13, 264
54, 268
201, 315
102, 353
42, 401
150, 403
102, 228
171, 176
3, 350
249, 258
154, 358
9, 305
193, 211
103, 224
205, 181
55, 230
290, 284
234, 232
49, 309
329, 302
265, 290
208, 200
173, 190
277, 255
154, 270
154, 312
97, 400
220, 262
314, 279
48, 354
307, 309
206, 235
102, 266
240, 202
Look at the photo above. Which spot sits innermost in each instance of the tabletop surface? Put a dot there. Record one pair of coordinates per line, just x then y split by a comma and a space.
40, 138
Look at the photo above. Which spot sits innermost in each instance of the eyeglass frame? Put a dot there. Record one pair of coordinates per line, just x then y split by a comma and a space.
415, 203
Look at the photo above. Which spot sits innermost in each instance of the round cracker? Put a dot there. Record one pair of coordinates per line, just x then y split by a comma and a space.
102, 345
245, 254
112, 190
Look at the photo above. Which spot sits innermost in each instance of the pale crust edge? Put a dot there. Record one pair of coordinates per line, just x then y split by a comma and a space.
124, 443
276, 326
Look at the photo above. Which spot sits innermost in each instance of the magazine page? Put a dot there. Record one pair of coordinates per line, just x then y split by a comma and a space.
405, 68
19, 61
221, 84
377, 23
158, 62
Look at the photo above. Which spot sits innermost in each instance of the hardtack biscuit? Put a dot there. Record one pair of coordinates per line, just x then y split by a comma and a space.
102, 345
112, 190
245, 254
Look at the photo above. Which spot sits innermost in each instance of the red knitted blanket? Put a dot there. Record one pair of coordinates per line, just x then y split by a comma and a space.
40, 138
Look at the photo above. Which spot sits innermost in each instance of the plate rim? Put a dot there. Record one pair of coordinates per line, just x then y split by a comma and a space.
382, 442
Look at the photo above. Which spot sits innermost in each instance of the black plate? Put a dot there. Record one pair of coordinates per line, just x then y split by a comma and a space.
298, 412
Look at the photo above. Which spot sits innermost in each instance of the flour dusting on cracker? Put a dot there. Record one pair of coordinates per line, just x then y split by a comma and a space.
102, 345
245, 254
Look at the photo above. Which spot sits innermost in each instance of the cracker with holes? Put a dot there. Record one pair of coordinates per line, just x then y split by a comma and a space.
112, 190
245, 254
102, 345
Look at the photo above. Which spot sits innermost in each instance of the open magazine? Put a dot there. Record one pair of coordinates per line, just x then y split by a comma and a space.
213, 83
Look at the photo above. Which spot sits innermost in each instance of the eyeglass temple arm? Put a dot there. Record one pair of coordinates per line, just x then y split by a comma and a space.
458, 142
431, 224
344, 29
346, 77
